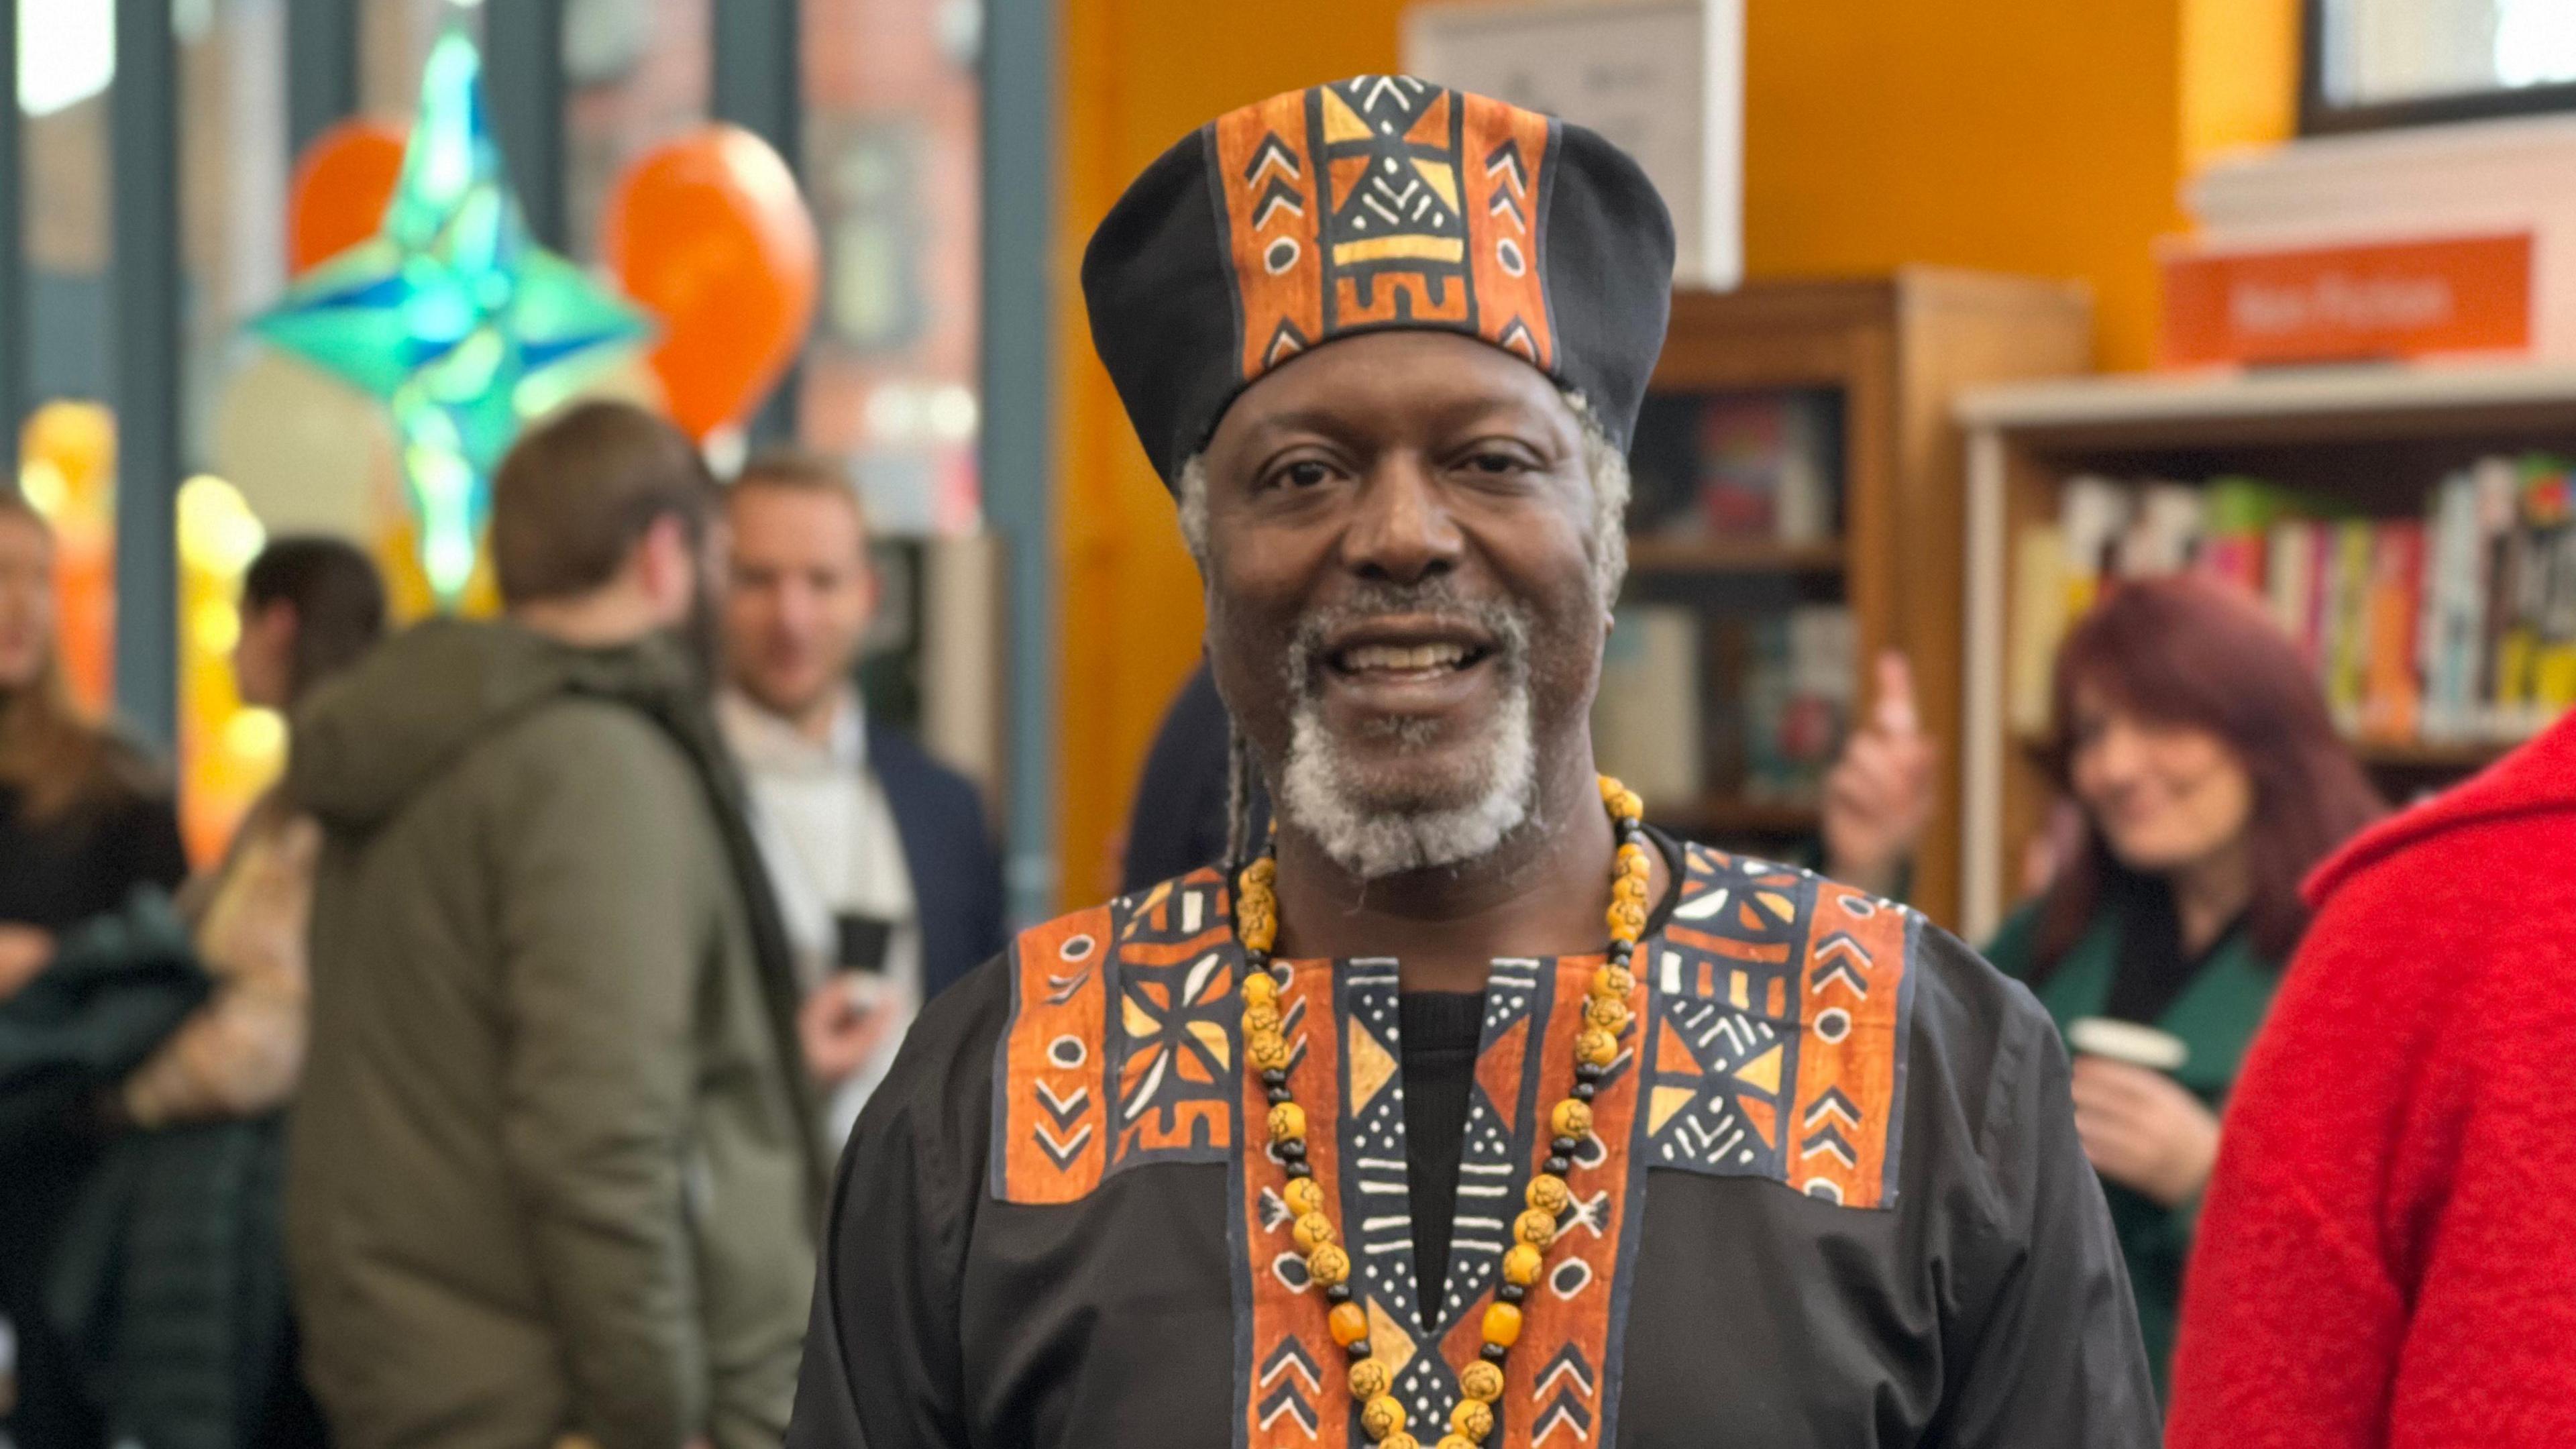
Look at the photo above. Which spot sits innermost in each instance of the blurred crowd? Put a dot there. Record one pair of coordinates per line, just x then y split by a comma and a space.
492, 1075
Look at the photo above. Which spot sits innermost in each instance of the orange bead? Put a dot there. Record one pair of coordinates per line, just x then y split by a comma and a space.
1382, 1416
1611, 790
1629, 888
1502, 1324
1473, 1419
1399, 1440
1268, 1052
1259, 1018
1571, 1118
1616, 981
1523, 1264
1369, 1378
1481, 1380
1313, 1230
1260, 989
1596, 1046
1304, 1195
1609, 1013
1329, 1264
1348, 1323
1288, 1124
1547, 1194
1456, 1441
1535, 1229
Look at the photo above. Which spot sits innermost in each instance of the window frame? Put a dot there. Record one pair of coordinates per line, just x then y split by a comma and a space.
2320, 115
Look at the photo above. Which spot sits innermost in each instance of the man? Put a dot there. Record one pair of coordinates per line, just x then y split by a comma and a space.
551, 1174
890, 888
2388, 1252
1801, 1173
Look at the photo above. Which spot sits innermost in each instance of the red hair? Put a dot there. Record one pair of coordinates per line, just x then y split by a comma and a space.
2193, 651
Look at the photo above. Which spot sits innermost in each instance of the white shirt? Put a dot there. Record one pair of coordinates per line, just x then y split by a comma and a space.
829, 840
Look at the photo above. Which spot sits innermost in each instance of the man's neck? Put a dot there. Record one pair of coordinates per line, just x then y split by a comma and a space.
1543, 892
602, 619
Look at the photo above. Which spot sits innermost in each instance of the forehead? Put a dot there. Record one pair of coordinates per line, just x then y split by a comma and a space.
796, 519
1394, 383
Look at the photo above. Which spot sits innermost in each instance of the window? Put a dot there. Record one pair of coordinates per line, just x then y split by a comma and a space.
2375, 63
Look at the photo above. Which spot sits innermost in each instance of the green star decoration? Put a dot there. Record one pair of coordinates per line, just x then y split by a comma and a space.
454, 317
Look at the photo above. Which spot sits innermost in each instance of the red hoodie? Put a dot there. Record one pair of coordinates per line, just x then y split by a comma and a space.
2388, 1251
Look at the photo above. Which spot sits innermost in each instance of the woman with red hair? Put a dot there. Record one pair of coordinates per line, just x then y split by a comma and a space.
2193, 741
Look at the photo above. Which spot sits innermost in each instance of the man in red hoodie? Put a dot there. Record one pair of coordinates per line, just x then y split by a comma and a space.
2388, 1252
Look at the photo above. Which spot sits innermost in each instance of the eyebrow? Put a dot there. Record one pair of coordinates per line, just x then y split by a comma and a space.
1334, 424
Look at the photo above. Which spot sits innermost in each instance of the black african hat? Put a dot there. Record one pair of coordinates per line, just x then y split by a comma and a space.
1364, 205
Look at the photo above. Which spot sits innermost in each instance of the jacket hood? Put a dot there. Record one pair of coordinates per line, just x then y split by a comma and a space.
2537, 779
368, 741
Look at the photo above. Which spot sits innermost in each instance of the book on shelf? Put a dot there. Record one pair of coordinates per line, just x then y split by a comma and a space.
2453, 627
1796, 701
1738, 467
1646, 718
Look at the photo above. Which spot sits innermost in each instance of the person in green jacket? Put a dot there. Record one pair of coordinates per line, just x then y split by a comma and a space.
2203, 779
552, 1174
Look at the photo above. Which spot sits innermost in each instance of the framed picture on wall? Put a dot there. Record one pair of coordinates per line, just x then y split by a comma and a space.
2370, 64
1663, 80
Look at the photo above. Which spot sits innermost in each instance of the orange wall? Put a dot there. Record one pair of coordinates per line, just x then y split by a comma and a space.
2017, 135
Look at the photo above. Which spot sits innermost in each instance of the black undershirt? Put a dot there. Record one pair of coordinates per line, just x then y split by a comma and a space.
2153, 968
1441, 1032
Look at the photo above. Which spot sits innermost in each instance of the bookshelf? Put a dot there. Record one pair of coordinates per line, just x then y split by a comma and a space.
1798, 489
2374, 444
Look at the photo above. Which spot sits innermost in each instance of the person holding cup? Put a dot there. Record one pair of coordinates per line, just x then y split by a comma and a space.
2208, 779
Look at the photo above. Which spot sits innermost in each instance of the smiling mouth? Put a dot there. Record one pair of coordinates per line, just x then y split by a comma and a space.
1397, 659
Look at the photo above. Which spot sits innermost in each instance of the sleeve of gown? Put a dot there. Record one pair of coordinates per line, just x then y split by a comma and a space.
2053, 1354
882, 1361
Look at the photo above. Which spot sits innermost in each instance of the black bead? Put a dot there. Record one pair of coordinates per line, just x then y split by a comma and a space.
1294, 1149
1511, 1293
1560, 1166
1279, 1095
1620, 951
1583, 1091
1338, 1293
1358, 1349
1496, 1353
1587, 1071
1274, 1077
1563, 1146
1299, 1169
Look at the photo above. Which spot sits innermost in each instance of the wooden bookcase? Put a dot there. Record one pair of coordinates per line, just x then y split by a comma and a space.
1892, 353
2374, 438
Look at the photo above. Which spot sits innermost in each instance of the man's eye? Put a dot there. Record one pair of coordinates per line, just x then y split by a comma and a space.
1496, 465
1305, 473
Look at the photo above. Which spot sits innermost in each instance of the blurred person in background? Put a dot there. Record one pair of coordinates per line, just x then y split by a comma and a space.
553, 1174
2388, 1250
886, 878
85, 819
2195, 743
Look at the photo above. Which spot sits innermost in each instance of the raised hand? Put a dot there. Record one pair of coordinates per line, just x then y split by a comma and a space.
1878, 797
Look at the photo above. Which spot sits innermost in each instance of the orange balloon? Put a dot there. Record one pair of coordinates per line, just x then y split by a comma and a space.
709, 234
340, 190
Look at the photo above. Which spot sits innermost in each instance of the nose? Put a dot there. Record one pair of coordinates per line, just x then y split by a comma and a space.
1403, 533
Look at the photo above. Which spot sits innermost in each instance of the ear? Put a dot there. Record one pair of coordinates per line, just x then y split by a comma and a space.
665, 563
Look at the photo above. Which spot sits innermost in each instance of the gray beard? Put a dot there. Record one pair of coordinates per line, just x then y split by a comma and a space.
1374, 833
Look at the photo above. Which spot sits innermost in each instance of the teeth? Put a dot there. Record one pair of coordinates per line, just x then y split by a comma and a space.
1395, 658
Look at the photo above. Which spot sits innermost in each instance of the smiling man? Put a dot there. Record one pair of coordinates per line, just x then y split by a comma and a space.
1465, 1108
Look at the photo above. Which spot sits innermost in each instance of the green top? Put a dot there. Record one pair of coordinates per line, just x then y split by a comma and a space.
2216, 1016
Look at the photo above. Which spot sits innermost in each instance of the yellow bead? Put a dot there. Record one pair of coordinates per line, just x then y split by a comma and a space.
1629, 888
1634, 857
1382, 1416
1610, 1013
1481, 1381
1626, 919
1267, 1052
1455, 1441
1611, 790
1571, 1119
1502, 1324
1288, 1124
1473, 1419
1547, 1193
1523, 1264
1616, 981
1369, 1378
1313, 1230
1258, 934
1535, 1229
1595, 1046
1260, 988
1399, 1440
1629, 806
1328, 1264
1260, 1020
1348, 1324
1262, 871
1304, 1195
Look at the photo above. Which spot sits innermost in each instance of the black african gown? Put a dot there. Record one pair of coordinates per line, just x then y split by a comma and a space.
1833, 1197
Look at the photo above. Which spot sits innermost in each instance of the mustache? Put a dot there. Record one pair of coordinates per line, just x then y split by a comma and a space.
1436, 598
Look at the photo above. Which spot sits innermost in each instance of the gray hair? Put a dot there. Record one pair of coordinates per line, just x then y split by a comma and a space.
1602, 462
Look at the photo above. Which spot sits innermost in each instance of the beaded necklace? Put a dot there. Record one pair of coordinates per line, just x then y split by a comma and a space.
1328, 1265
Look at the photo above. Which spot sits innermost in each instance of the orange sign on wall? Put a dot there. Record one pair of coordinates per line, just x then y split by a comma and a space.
2348, 303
